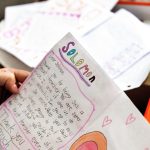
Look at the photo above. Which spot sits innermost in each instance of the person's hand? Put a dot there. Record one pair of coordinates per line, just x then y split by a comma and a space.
9, 78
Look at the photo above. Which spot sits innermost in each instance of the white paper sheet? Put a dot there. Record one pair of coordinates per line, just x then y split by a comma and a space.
121, 46
2, 24
13, 14
30, 38
16, 13
69, 103
107, 4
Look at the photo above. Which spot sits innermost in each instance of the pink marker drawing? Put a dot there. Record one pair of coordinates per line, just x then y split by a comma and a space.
106, 121
130, 119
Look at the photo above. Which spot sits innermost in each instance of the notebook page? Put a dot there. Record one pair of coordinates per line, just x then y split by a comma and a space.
108, 4
13, 14
45, 28
47, 102
67, 102
128, 44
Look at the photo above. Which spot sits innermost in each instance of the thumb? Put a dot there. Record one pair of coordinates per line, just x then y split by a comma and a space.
7, 79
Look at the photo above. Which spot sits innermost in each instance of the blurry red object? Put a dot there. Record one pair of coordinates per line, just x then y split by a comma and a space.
147, 112
135, 2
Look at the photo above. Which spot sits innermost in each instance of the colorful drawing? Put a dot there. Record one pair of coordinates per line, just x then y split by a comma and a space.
90, 141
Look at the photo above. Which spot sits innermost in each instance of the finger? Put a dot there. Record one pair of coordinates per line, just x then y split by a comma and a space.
7, 79
20, 75
4, 74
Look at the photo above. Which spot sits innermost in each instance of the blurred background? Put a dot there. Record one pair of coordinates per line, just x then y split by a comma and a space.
139, 95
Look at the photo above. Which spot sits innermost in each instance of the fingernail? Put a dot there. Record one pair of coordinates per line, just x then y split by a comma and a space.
15, 88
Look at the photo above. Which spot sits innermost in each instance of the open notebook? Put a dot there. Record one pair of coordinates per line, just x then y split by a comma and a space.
69, 103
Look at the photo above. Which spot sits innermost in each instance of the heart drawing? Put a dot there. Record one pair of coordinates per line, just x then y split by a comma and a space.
106, 121
130, 119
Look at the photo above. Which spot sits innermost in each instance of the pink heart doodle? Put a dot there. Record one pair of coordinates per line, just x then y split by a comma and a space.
106, 121
130, 119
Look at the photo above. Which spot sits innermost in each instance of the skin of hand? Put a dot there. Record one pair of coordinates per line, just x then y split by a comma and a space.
10, 77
